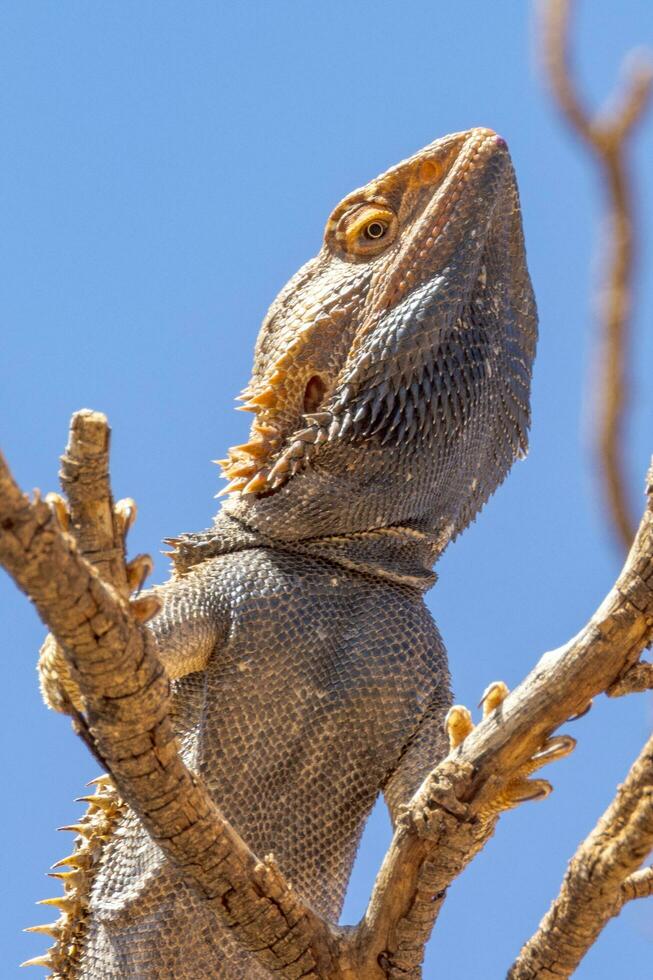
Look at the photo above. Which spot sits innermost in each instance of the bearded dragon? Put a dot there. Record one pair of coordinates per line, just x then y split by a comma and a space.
390, 393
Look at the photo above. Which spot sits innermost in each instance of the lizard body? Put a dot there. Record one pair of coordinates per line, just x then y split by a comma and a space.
391, 390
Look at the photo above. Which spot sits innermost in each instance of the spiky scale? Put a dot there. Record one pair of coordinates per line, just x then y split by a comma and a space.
383, 389
396, 421
241, 468
258, 482
421, 411
454, 402
309, 435
345, 395
411, 430
265, 399
377, 408
334, 428
44, 960
296, 450
346, 424
84, 830
320, 418
363, 361
255, 448
68, 877
268, 432
61, 902
51, 929
234, 486
278, 472
446, 411
77, 860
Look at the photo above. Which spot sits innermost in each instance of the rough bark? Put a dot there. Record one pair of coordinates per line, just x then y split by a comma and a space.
453, 814
87, 512
601, 877
126, 701
126, 711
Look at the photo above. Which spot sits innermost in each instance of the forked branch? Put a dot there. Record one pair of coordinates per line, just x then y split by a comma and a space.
453, 814
127, 712
606, 133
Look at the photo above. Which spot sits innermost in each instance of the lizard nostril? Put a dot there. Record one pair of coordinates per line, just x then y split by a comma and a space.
313, 393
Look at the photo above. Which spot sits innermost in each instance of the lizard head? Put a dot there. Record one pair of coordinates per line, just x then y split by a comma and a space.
391, 375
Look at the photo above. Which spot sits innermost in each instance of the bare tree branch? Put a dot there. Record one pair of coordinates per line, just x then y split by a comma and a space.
102, 669
606, 134
125, 697
600, 878
88, 514
453, 814
126, 701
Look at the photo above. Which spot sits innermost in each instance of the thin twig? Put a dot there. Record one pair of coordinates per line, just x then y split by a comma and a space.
638, 885
635, 680
606, 134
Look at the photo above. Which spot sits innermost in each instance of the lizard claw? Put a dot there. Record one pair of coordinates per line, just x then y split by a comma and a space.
519, 788
137, 571
59, 508
522, 790
554, 748
458, 723
144, 607
125, 513
581, 713
493, 695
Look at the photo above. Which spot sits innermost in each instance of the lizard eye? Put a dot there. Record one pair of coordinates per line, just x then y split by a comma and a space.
375, 229
367, 229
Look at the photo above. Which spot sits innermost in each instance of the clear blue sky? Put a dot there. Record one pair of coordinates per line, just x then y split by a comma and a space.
165, 167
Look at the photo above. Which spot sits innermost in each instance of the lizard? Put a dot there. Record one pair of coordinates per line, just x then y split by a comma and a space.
391, 395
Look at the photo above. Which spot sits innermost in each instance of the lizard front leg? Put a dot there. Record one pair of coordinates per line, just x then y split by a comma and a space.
58, 687
185, 631
100, 530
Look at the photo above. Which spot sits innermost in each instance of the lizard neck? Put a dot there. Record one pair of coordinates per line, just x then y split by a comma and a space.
403, 553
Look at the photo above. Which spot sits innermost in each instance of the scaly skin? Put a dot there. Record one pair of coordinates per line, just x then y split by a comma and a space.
391, 389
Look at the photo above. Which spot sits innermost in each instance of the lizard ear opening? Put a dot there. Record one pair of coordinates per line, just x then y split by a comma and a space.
314, 394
